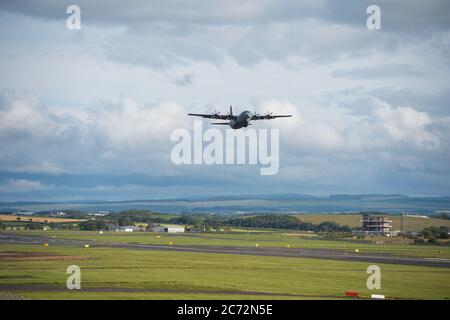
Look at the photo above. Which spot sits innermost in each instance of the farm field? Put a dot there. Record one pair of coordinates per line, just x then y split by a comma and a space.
272, 239
10, 217
354, 220
38, 272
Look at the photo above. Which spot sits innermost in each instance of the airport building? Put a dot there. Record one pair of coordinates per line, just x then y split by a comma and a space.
169, 229
376, 225
127, 229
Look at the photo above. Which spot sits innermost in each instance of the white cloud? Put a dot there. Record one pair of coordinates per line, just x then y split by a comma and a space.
405, 124
132, 125
385, 128
22, 115
113, 135
22, 185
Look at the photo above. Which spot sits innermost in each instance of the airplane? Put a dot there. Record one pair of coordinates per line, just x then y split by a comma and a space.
238, 121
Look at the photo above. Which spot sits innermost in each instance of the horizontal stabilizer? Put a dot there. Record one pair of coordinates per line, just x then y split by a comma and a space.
222, 123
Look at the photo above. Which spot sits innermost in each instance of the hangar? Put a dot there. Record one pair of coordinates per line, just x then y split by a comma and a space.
169, 229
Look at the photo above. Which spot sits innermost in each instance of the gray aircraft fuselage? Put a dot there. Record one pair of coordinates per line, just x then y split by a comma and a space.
240, 121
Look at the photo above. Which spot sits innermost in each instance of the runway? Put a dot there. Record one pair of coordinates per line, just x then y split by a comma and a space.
341, 255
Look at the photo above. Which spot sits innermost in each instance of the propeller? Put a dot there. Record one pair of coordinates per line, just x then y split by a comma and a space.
268, 114
215, 113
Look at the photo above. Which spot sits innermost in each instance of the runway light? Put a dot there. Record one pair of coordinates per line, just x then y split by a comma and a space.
377, 296
256, 245
158, 236
45, 244
170, 243
288, 245
356, 250
86, 246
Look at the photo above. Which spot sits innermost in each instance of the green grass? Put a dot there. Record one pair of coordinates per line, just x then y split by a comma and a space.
80, 295
354, 220
196, 274
262, 239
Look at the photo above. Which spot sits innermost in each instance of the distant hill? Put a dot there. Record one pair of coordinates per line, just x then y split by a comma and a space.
367, 197
276, 203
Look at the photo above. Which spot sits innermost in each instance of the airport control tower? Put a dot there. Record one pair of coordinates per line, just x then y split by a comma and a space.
376, 224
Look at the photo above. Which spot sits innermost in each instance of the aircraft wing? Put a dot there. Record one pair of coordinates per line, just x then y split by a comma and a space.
211, 116
269, 116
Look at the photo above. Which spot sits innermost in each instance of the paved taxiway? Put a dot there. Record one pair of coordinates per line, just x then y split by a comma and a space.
9, 238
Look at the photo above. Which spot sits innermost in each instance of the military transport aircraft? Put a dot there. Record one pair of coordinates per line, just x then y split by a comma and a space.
241, 120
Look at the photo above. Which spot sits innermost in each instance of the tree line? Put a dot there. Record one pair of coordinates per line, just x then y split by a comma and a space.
264, 221
208, 221
280, 221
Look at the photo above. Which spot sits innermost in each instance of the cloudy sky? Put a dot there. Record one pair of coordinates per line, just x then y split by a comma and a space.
88, 114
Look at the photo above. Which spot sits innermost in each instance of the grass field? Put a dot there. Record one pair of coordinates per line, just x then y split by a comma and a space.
180, 275
354, 220
273, 239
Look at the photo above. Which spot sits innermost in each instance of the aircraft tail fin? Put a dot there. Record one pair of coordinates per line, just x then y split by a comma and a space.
231, 110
